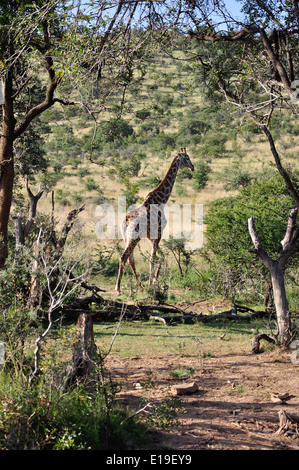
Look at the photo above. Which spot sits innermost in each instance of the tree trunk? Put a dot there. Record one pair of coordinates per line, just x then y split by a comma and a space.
10, 132
281, 303
276, 269
83, 368
6, 166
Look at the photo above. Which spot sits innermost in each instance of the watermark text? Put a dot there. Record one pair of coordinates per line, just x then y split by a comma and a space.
158, 221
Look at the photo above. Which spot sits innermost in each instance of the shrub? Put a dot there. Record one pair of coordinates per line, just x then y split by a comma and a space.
192, 129
130, 193
214, 145
201, 175
61, 197
151, 182
83, 172
143, 114
229, 247
44, 417
90, 184
236, 178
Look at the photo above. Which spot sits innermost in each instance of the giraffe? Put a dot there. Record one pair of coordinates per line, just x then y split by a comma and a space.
148, 220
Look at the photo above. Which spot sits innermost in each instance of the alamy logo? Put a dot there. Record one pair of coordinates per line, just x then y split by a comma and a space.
183, 221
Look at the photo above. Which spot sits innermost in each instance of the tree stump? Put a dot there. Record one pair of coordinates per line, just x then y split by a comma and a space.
83, 368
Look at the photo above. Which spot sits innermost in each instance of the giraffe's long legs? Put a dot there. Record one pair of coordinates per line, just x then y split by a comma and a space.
155, 248
127, 254
132, 264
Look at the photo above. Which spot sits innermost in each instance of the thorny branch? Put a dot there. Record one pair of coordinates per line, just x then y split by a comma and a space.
57, 296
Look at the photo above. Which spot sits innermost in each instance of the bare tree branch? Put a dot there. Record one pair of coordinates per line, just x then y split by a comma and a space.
280, 168
33, 200
276, 62
291, 226
259, 250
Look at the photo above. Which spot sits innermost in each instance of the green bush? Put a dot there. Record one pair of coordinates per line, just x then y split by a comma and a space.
201, 175
236, 178
90, 184
192, 129
143, 114
61, 197
131, 192
214, 145
44, 417
229, 247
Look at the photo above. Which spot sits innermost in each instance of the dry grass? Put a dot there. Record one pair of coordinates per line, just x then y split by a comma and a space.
253, 155
257, 157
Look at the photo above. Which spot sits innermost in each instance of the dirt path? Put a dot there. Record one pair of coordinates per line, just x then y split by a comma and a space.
232, 409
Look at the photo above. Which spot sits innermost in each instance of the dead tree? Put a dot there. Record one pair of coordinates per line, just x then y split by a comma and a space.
21, 232
83, 369
276, 269
57, 295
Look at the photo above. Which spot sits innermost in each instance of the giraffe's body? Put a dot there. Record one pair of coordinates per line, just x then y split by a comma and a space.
148, 220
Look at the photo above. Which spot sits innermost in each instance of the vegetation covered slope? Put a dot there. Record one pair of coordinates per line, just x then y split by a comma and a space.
129, 149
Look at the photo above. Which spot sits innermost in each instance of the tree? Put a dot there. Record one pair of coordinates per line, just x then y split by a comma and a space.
234, 264
61, 44
252, 62
201, 175
277, 268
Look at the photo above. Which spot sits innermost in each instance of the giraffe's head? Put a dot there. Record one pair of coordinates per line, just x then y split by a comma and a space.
185, 161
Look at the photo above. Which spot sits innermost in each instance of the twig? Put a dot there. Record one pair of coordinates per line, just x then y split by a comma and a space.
136, 413
162, 320
122, 314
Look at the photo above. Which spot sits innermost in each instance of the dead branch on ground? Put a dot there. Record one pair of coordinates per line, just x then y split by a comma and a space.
110, 310
286, 420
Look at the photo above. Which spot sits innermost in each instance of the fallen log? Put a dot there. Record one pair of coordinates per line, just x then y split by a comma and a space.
110, 310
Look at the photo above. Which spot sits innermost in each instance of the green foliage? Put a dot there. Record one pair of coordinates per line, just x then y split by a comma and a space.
236, 177
163, 141
104, 263
90, 184
183, 174
49, 179
143, 114
30, 152
61, 197
131, 192
151, 182
165, 415
229, 246
44, 417
127, 165
114, 132
194, 280
241, 179
147, 130
183, 372
201, 175
192, 130
182, 255
82, 172
214, 145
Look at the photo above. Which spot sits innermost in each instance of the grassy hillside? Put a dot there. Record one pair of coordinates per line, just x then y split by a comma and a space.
165, 111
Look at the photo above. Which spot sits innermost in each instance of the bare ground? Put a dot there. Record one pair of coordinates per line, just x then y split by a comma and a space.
232, 409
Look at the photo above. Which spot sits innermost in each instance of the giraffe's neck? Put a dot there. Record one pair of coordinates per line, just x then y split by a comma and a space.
161, 194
